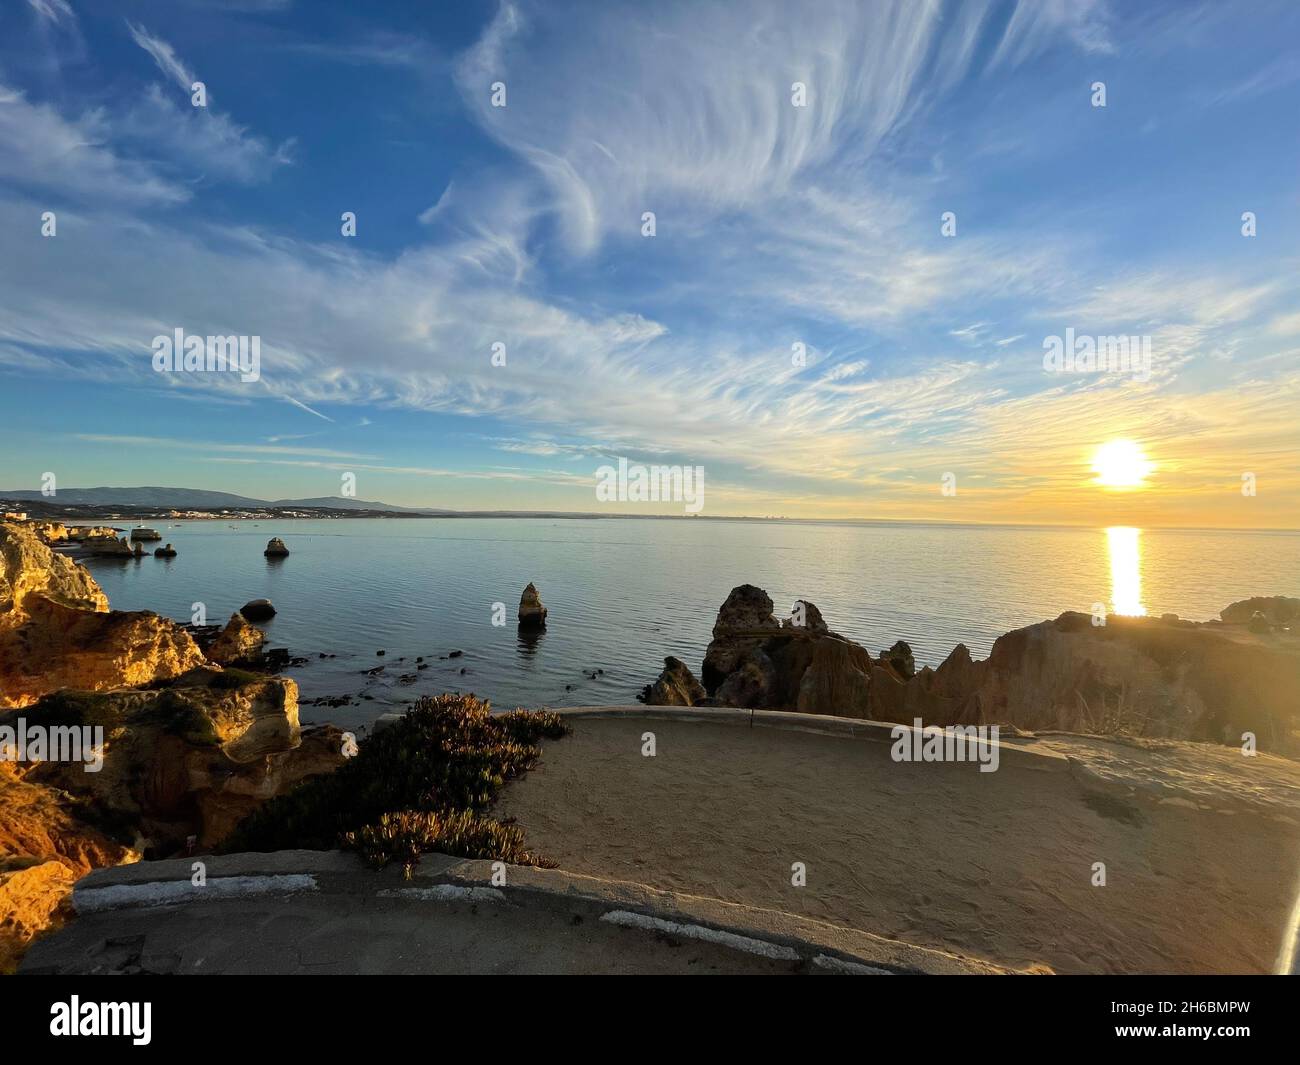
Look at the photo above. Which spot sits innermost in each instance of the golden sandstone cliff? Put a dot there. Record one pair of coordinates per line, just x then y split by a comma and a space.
183, 748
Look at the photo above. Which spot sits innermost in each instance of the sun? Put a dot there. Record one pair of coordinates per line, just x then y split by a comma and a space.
1120, 464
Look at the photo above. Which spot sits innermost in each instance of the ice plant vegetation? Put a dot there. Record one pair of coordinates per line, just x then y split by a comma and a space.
423, 783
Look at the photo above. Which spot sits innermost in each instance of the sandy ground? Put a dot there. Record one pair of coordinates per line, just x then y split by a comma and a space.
991, 865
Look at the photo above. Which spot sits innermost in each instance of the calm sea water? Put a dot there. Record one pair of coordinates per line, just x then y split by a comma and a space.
624, 593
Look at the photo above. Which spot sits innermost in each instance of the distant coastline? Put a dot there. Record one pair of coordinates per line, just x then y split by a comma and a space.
72, 506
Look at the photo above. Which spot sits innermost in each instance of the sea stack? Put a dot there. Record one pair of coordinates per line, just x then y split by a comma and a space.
275, 548
165, 552
532, 615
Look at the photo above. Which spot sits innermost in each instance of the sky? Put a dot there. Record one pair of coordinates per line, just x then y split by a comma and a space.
869, 220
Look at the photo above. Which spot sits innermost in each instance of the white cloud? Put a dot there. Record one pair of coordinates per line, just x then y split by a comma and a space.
164, 55
55, 11
41, 150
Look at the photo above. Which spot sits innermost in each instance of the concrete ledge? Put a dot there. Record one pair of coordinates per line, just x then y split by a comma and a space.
1024, 751
340, 879
806, 937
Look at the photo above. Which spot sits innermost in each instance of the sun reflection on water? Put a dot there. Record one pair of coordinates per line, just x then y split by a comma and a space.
1125, 570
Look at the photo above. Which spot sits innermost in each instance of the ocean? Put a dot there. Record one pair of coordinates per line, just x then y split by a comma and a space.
623, 593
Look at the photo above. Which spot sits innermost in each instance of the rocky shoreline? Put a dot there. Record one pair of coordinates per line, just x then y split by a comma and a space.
1215, 681
189, 736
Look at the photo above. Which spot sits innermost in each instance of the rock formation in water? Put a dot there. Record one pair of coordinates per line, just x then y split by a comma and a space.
164, 552
1140, 676
532, 614
275, 548
676, 686
239, 643
258, 610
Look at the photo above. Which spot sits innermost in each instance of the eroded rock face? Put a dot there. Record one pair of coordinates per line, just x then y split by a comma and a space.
56, 647
757, 662
56, 631
238, 643
676, 686
900, 659
275, 548
532, 614
190, 759
744, 624
28, 567
1154, 677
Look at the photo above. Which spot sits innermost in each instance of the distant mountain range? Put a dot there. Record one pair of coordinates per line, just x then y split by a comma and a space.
193, 499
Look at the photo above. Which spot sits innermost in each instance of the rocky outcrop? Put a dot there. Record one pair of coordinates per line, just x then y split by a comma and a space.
29, 568
1276, 609
900, 659
1153, 677
757, 662
50, 532
183, 749
56, 631
275, 548
676, 686
189, 759
1141, 676
743, 626
532, 614
108, 547
258, 610
239, 643
166, 551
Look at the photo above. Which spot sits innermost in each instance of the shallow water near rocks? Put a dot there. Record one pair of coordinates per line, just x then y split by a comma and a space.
622, 593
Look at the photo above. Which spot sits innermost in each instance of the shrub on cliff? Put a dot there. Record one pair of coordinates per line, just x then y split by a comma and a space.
423, 783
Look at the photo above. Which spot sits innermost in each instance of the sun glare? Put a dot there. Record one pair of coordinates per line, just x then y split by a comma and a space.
1120, 464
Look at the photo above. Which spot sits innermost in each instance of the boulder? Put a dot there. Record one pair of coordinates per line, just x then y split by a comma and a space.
676, 686
900, 659
275, 548
258, 610
238, 643
165, 552
532, 614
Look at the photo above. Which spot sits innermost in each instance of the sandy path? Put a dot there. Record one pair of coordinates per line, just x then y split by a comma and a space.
995, 865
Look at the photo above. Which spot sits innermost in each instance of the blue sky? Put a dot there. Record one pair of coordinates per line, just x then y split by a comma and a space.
775, 225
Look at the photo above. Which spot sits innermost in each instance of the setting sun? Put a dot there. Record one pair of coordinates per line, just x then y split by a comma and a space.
1120, 464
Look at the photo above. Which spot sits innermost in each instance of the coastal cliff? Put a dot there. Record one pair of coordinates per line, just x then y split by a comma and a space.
177, 748
1159, 677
